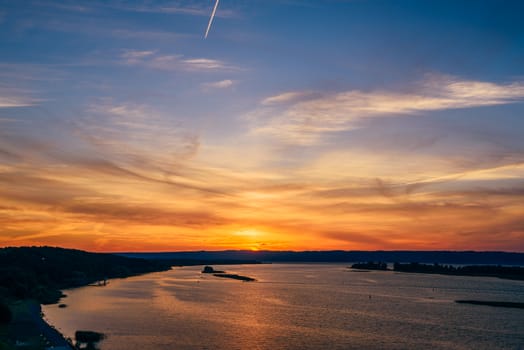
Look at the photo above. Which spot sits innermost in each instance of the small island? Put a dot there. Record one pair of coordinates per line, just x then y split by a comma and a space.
223, 274
210, 269
492, 303
235, 277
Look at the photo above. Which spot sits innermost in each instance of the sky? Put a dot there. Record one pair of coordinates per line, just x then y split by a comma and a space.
295, 125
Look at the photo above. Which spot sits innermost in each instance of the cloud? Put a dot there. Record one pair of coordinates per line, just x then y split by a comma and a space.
15, 97
143, 215
17, 73
94, 20
222, 84
371, 239
302, 117
16, 101
146, 35
136, 56
171, 7
150, 59
192, 9
287, 97
69, 7
198, 63
130, 133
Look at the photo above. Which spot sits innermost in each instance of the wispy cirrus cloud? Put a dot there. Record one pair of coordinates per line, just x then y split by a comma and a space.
190, 8
136, 56
154, 60
128, 131
10, 97
69, 6
222, 84
15, 101
20, 73
289, 97
302, 117
146, 34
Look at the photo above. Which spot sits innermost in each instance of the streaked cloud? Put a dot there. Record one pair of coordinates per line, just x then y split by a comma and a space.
289, 97
24, 73
168, 7
179, 7
69, 6
147, 35
130, 132
153, 60
15, 101
136, 56
222, 84
16, 98
303, 120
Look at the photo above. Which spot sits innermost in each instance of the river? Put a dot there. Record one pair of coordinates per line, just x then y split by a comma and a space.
295, 306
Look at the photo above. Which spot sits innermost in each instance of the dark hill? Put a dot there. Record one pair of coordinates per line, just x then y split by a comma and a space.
40, 272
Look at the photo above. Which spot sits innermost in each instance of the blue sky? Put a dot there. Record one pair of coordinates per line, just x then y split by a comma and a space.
403, 119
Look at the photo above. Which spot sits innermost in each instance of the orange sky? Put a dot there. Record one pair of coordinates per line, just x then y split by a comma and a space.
102, 206
293, 126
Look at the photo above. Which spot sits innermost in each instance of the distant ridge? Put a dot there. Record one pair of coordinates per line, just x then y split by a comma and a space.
406, 256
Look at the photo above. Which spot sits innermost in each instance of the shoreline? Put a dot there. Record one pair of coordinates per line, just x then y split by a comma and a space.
55, 337
29, 327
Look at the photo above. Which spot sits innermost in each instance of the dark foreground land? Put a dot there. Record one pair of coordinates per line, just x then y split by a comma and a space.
41, 272
30, 276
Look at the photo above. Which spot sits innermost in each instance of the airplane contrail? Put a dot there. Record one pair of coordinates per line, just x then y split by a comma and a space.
211, 19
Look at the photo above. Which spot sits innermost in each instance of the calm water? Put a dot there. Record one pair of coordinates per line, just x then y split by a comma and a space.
295, 306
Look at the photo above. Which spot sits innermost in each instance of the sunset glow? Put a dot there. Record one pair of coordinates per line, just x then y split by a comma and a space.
352, 125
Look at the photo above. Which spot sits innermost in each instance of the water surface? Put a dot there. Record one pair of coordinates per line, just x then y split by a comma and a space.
295, 306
